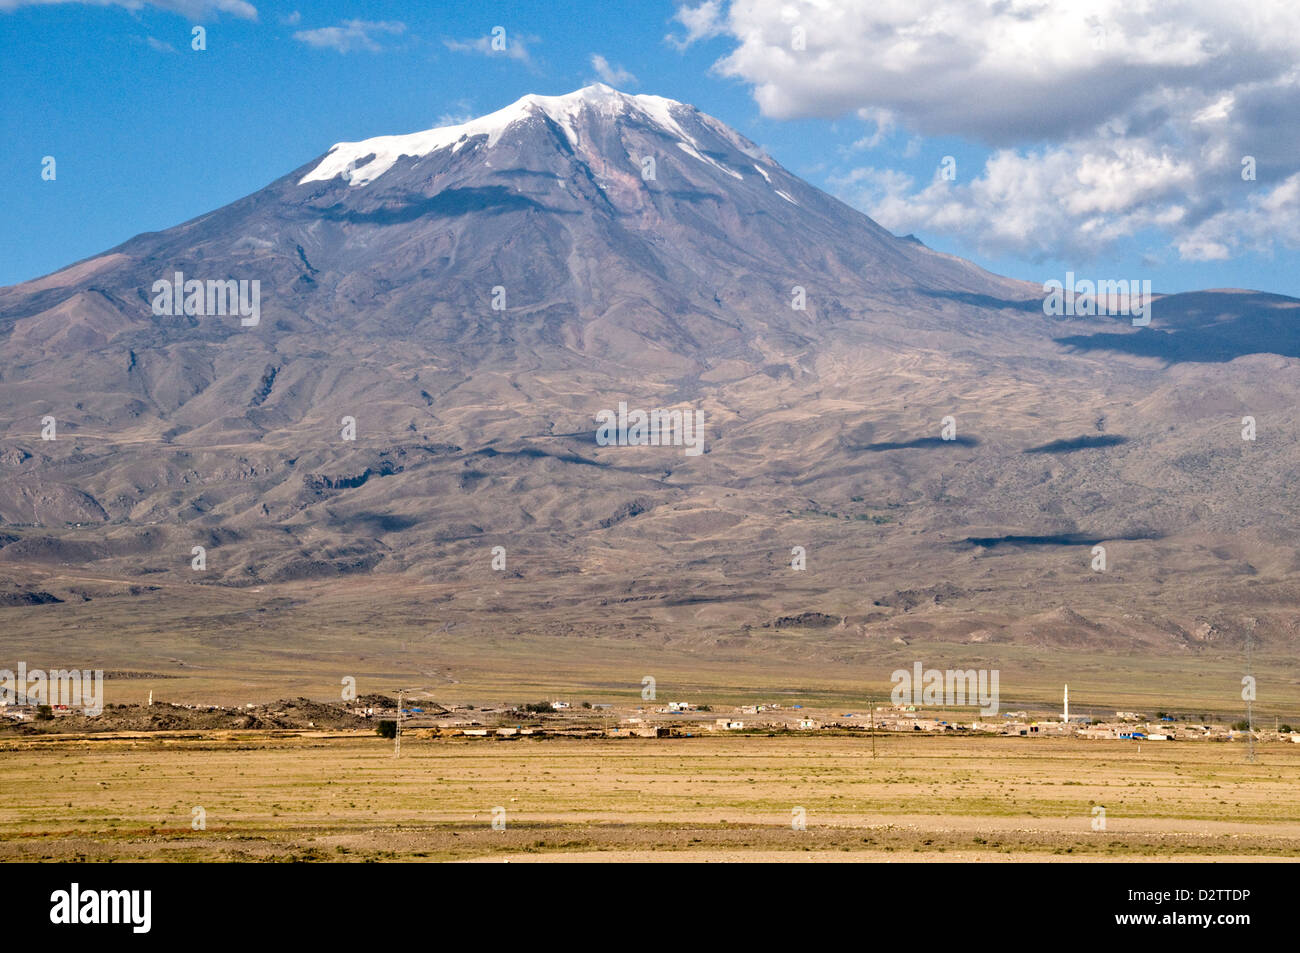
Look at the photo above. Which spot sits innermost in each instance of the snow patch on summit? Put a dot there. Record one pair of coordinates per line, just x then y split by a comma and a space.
363, 162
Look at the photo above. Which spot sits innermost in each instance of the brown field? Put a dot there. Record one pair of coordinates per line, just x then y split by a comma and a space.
281, 796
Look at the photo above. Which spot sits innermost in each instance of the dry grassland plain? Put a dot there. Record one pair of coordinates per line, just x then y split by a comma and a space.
222, 645
342, 796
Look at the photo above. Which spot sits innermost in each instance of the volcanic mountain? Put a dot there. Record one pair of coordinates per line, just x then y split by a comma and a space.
464, 302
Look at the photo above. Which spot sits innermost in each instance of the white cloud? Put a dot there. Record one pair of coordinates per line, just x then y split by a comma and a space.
882, 120
1066, 201
461, 112
1105, 118
613, 75
1268, 216
351, 35
998, 72
516, 47
702, 22
191, 9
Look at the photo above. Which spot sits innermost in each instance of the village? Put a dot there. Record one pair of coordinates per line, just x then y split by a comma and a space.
673, 719
678, 719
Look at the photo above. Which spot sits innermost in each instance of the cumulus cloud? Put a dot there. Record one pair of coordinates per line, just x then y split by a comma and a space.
351, 35
613, 75
1101, 120
191, 9
995, 72
702, 22
1269, 216
1051, 202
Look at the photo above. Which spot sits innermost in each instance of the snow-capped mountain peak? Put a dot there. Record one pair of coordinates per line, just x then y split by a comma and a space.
364, 161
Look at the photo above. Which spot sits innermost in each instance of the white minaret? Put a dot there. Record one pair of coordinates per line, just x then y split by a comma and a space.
1066, 717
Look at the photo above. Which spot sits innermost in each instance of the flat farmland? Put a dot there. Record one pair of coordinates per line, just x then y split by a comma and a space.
310, 796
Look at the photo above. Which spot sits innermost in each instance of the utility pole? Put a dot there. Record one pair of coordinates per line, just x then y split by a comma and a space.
1250, 700
397, 737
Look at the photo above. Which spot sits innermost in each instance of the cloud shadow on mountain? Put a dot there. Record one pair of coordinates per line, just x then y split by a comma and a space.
921, 443
532, 453
451, 203
987, 302
1207, 327
375, 522
1078, 443
1057, 539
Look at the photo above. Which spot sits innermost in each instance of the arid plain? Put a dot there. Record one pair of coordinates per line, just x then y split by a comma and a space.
343, 796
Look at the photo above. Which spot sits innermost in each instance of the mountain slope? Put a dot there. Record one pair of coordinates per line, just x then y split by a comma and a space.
380, 264
407, 236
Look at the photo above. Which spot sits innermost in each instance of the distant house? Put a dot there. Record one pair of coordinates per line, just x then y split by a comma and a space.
807, 724
641, 731
559, 706
729, 725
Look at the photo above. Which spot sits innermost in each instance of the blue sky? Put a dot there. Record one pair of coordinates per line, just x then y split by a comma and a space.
147, 132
